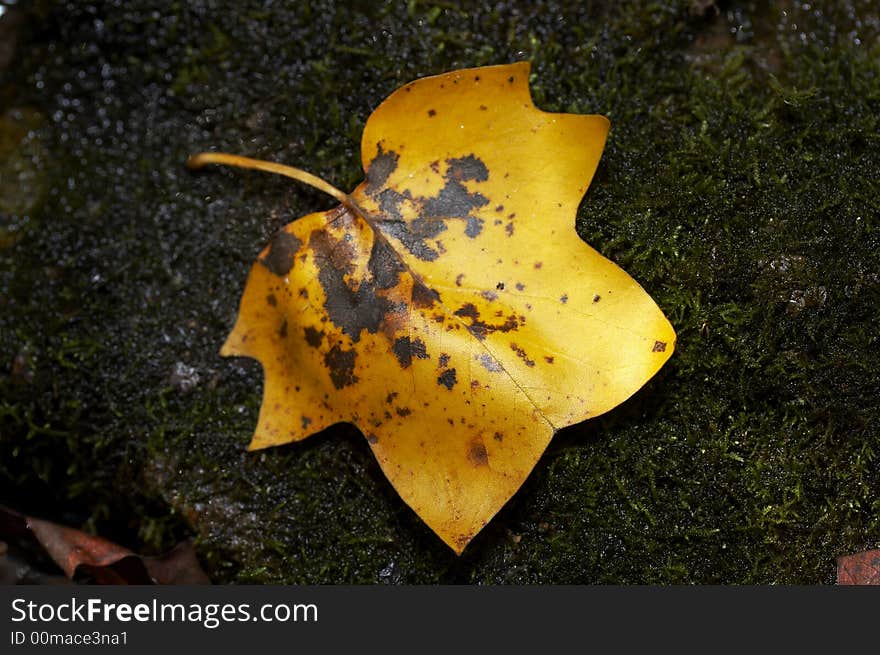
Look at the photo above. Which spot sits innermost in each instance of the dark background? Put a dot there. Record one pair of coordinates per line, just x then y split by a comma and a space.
739, 186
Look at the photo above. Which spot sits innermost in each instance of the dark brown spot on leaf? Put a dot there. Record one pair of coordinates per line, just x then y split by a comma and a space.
282, 331
351, 310
480, 328
597, 298
403, 411
382, 166
659, 347
405, 349
474, 226
282, 250
313, 337
467, 168
384, 264
340, 364
423, 297
522, 354
447, 378
454, 200
477, 453
432, 113
414, 235
272, 300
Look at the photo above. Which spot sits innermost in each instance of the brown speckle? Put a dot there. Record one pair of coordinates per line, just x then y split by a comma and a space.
510, 79
498, 436
272, 300
538, 265
282, 250
423, 297
403, 411
432, 113
458, 279
282, 331
659, 347
549, 359
520, 286
447, 378
477, 453
306, 422
500, 286
372, 438
522, 354
380, 168
564, 298
314, 337
340, 364
480, 328
597, 298
444, 360
405, 350
509, 229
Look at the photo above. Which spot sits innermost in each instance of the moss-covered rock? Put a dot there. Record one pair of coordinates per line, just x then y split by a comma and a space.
739, 186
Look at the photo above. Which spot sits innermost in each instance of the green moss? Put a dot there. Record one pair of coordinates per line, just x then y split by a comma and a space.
738, 187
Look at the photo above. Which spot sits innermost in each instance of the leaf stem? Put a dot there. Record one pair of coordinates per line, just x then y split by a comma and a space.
196, 162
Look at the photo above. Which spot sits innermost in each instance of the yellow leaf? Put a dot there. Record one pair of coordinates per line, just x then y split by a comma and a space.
447, 307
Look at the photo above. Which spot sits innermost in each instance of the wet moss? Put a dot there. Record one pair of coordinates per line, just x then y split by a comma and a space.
738, 186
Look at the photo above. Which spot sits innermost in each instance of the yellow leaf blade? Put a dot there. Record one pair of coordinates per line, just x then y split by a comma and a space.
448, 308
